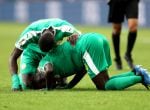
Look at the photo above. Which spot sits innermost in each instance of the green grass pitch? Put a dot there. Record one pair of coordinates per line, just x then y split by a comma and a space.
84, 96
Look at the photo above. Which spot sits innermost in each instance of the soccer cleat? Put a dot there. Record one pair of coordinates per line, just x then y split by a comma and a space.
144, 74
137, 69
146, 78
129, 61
118, 64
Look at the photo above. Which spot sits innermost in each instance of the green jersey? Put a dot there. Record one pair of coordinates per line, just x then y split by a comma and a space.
61, 59
32, 33
91, 50
94, 50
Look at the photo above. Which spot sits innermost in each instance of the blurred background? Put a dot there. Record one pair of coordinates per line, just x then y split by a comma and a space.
83, 12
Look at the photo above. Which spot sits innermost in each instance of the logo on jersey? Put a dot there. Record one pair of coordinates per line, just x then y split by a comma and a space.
23, 66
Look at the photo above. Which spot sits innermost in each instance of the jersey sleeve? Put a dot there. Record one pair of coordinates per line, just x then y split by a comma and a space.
64, 31
68, 30
27, 38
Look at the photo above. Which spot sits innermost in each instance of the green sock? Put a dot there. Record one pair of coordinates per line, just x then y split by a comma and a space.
119, 83
123, 75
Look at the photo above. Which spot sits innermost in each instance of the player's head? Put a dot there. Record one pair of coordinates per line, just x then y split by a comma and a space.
46, 41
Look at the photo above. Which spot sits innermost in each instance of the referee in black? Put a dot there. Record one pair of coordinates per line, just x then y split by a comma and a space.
118, 11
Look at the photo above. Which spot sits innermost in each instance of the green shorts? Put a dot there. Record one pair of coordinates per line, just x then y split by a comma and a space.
96, 53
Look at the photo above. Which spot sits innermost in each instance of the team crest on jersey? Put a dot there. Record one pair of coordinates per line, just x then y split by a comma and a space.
23, 66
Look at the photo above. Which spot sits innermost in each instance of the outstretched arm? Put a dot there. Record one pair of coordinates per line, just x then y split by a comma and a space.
13, 67
76, 78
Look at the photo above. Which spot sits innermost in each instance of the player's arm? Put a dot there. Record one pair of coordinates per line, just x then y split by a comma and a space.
72, 39
76, 79
27, 38
50, 80
68, 31
13, 67
20, 45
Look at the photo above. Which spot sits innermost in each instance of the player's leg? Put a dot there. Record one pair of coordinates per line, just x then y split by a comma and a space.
124, 80
132, 16
106, 49
125, 74
97, 65
120, 83
116, 44
116, 17
96, 60
100, 80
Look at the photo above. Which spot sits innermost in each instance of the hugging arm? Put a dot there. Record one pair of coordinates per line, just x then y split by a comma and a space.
13, 60
13, 67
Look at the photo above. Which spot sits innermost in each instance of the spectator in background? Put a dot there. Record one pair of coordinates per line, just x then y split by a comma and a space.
118, 9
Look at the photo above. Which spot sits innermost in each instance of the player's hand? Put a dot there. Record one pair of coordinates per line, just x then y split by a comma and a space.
72, 39
17, 89
16, 83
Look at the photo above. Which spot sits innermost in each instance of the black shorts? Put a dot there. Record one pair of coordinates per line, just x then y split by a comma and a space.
119, 9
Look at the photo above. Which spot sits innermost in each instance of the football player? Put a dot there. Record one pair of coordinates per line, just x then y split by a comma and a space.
27, 47
90, 54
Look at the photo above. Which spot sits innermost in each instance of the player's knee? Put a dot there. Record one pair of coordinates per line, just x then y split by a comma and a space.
133, 28
133, 25
100, 80
101, 84
116, 28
